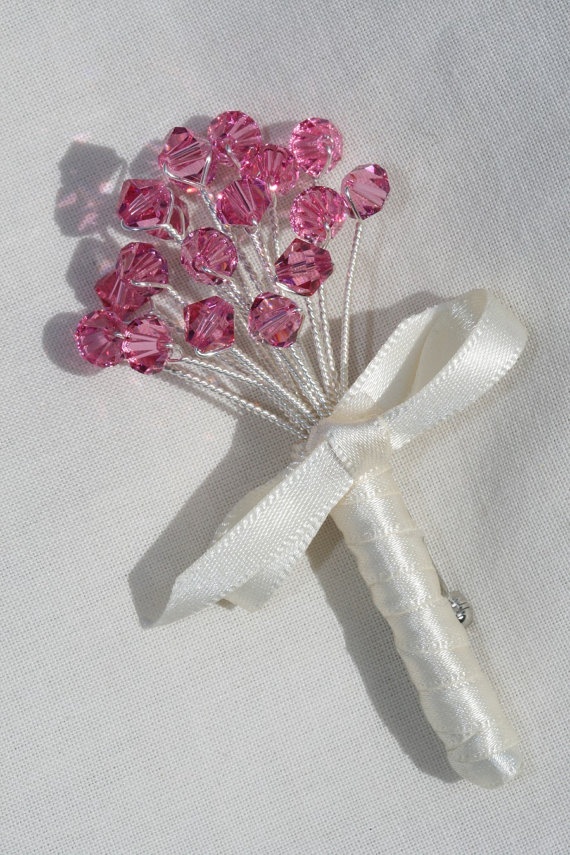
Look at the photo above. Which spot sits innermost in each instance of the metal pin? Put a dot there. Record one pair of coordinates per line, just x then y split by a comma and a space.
462, 609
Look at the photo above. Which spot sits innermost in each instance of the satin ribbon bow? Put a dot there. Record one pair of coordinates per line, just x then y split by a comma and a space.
435, 364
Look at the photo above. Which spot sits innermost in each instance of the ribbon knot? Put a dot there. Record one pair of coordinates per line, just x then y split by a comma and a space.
435, 364
361, 446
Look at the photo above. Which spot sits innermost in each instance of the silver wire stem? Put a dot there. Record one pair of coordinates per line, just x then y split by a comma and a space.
263, 257
321, 356
345, 327
291, 360
239, 402
296, 402
325, 326
274, 225
163, 288
166, 227
209, 203
209, 364
230, 285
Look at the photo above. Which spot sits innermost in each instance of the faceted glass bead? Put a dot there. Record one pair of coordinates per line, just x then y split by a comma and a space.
303, 267
142, 262
185, 156
208, 250
316, 142
366, 188
317, 214
236, 131
119, 295
99, 338
274, 319
243, 203
146, 345
144, 203
209, 324
274, 165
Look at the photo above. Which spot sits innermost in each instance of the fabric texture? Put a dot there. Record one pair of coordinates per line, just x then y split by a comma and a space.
293, 729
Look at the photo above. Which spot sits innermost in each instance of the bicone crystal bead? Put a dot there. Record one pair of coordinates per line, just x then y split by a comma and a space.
303, 267
274, 165
187, 158
99, 338
147, 343
366, 188
144, 203
243, 203
209, 324
316, 143
232, 135
317, 214
209, 256
147, 204
142, 262
119, 295
274, 319
136, 262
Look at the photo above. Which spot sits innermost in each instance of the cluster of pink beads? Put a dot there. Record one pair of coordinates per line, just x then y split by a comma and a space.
161, 209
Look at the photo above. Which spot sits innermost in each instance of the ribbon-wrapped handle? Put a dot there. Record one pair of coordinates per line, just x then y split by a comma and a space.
434, 364
456, 696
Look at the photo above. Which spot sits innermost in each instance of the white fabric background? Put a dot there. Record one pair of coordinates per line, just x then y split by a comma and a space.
293, 730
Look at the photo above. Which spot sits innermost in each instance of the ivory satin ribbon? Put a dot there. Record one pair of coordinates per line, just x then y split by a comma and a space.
435, 364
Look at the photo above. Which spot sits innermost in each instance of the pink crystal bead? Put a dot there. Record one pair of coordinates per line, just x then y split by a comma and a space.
209, 324
274, 319
206, 250
99, 338
233, 131
366, 188
274, 165
243, 203
137, 262
185, 157
144, 203
147, 343
119, 295
317, 214
142, 262
316, 143
303, 267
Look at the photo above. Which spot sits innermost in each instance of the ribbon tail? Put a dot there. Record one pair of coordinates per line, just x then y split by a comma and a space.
265, 544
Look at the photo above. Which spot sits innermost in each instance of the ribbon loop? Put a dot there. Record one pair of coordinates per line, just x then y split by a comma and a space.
435, 364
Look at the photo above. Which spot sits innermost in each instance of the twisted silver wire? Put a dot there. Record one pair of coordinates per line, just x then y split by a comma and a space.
305, 384
263, 258
269, 389
239, 402
328, 342
298, 357
250, 365
321, 356
274, 225
345, 326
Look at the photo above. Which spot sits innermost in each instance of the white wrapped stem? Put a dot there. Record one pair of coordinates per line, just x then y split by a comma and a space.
457, 698
435, 364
